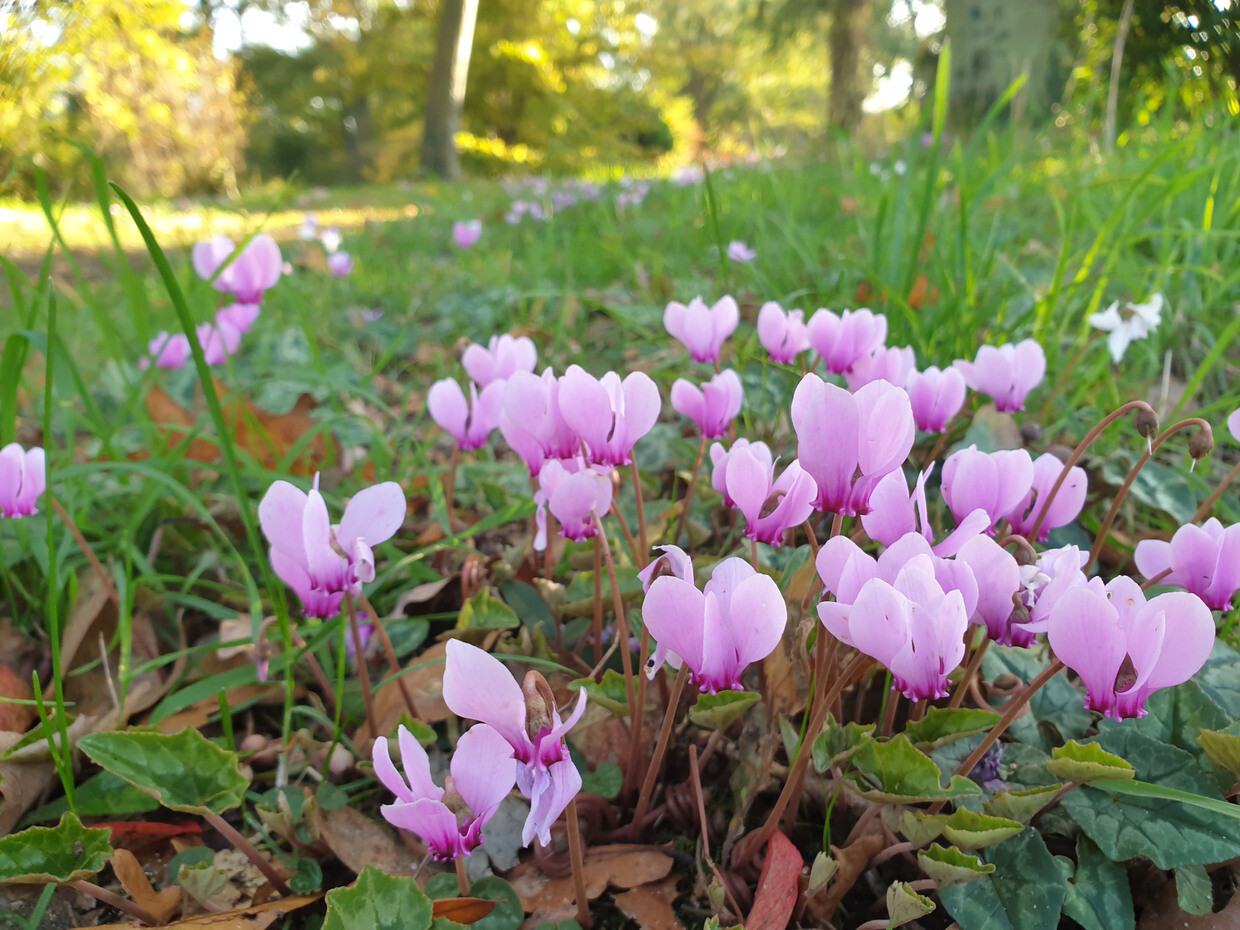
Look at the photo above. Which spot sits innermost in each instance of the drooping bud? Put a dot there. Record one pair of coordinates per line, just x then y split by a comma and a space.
539, 704
1147, 422
1201, 443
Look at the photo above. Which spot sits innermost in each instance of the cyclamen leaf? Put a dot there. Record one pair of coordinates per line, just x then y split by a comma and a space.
64, 853
905, 905
1079, 763
948, 866
971, 831
378, 901
184, 771
896, 773
485, 612
1098, 895
1193, 890
943, 725
1020, 805
1028, 881
720, 710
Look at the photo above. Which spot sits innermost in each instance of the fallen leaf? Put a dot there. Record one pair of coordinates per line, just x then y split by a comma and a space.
462, 910
129, 872
258, 917
650, 906
359, 841
21, 783
1162, 910
15, 718
776, 895
621, 865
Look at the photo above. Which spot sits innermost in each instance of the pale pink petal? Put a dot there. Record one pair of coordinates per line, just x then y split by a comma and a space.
374, 514
674, 611
446, 403
756, 618
483, 770
477, 686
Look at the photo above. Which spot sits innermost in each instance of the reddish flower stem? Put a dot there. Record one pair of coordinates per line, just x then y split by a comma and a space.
970, 670
242, 845
389, 652
103, 896
598, 600
660, 749
1207, 505
1105, 529
462, 876
363, 672
1078, 452
577, 858
623, 631
643, 555
684, 513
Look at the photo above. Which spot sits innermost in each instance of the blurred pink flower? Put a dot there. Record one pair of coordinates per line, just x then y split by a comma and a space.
239, 316
575, 493
1124, 647
477, 686
994, 482
739, 618
1006, 373
842, 341
503, 356
893, 365
218, 341
1204, 560
936, 395
340, 264
702, 329
466, 234
740, 252
1233, 424
23, 477
449, 819
255, 270
1064, 507
712, 406
608, 415
469, 421
531, 422
783, 335
322, 562
167, 351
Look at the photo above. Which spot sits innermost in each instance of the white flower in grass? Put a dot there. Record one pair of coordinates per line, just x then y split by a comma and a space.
1134, 321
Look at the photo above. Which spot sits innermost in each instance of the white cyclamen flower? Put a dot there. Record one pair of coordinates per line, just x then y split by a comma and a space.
1135, 321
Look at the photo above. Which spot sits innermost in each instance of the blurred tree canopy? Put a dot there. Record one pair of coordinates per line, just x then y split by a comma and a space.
554, 86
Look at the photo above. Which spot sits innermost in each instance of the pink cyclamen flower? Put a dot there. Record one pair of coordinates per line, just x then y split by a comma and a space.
770, 506
712, 406
1233, 424
469, 421
911, 625
239, 316
1124, 647
531, 422
218, 341
23, 477
1065, 506
998, 579
994, 482
477, 686
1006, 373
466, 234
783, 335
936, 396
607, 414
450, 819
503, 356
673, 561
1204, 560
895, 512
737, 619
255, 270
575, 493
893, 365
720, 458
340, 264
702, 329
848, 442
167, 351
1042, 584
740, 252
319, 561
842, 341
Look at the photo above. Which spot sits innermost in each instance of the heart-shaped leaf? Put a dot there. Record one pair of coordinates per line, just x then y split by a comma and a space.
184, 771
1020, 805
943, 725
610, 692
948, 866
905, 905
835, 745
378, 901
970, 831
63, 853
483, 612
896, 773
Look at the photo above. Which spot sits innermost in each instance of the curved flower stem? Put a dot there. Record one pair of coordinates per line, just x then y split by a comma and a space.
363, 673
389, 652
1105, 529
753, 555
243, 846
970, 670
624, 529
577, 859
95, 564
1011, 710
660, 748
103, 896
319, 675
641, 517
937, 449
1157, 578
1208, 504
889, 715
796, 774
623, 631
598, 600
811, 538
449, 484
684, 513
1079, 451
462, 876
699, 800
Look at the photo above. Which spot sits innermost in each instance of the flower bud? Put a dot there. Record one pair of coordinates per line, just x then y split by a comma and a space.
539, 704
1201, 443
1147, 422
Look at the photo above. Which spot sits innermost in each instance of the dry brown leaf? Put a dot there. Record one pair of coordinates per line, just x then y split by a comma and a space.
258, 917
462, 910
359, 841
91, 601
267, 437
651, 905
129, 872
787, 673
21, 784
15, 718
622, 865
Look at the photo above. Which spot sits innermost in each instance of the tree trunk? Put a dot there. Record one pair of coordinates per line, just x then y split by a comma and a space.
845, 37
453, 43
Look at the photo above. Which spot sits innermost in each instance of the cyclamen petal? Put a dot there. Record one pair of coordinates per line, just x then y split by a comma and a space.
500, 360
713, 406
23, 477
470, 422
574, 497
701, 329
783, 335
1006, 373
168, 351
1204, 560
1064, 507
995, 482
936, 397
883, 364
466, 234
844, 340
